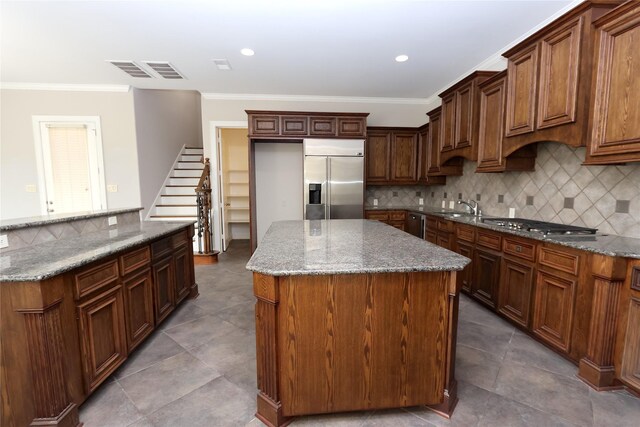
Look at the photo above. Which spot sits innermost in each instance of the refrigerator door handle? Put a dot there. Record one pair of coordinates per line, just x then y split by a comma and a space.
328, 204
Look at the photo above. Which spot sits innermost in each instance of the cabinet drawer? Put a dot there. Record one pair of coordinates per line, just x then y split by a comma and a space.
378, 216
161, 248
444, 225
322, 126
397, 215
179, 239
519, 248
294, 125
351, 126
264, 125
489, 240
134, 260
635, 279
465, 232
91, 279
559, 260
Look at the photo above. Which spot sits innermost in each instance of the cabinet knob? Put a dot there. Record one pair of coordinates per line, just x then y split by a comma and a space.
518, 248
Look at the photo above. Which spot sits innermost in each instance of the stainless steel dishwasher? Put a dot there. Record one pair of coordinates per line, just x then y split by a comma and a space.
415, 224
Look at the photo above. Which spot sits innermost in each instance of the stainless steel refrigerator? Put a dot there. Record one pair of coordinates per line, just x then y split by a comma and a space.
333, 178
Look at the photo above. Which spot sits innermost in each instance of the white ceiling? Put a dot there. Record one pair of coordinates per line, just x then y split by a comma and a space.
304, 47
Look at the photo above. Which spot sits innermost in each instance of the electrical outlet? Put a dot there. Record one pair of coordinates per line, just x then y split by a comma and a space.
112, 220
451, 204
4, 241
421, 201
512, 212
375, 202
112, 188
30, 188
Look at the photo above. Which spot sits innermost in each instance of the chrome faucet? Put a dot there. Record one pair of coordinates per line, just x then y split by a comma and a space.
472, 205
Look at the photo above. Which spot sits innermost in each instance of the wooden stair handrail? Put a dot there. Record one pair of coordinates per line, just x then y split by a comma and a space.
203, 198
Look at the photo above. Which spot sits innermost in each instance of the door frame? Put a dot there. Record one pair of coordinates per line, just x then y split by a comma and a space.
212, 151
91, 122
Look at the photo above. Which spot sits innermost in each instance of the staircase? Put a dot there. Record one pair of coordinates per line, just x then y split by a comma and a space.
177, 200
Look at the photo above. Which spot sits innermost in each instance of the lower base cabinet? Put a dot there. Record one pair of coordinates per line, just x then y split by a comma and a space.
516, 286
139, 307
102, 335
553, 309
466, 275
163, 287
486, 267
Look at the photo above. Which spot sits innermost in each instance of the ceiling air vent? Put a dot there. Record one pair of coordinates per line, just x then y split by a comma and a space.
131, 68
165, 70
222, 64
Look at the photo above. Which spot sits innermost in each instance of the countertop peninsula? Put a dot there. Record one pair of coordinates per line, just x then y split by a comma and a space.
349, 246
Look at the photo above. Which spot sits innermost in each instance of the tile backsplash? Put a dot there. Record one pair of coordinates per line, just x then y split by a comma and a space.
559, 190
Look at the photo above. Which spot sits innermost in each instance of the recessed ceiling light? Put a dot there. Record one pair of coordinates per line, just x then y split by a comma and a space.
401, 58
247, 52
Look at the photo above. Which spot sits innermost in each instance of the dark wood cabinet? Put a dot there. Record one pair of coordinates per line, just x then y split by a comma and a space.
466, 275
102, 335
486, 277
300, 124
448, 124
435, 168
404, 157
516, 286
493, 93
391, 156
394, 218
163, 287
614, 134
138, 300
183, 278
550, 80
423, 154
553, 309
377, 156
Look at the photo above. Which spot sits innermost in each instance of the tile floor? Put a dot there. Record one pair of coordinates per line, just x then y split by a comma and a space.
198, 369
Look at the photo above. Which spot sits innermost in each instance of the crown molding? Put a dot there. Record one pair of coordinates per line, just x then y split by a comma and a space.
64, 87
311, 98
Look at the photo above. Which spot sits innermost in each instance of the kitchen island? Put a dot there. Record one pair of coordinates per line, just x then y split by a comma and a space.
352, 315
72, 308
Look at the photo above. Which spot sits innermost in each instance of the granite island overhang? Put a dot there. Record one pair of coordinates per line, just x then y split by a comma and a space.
353, 315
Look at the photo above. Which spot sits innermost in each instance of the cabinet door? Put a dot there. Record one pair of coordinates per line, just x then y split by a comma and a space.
163, 288
444, 240
351, 127
103, 337
559, 61
378, 156
423, 147
431, 236
433, 158
522, 70
516, 283
448, 122
404, 154
183, 278
492, 107
264, 125
553, 309
294, 125
138, 300
466, 275
464, 116
486, 276
322, 126
630, 371
615, 128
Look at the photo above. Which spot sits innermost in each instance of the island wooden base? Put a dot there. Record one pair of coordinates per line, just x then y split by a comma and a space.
338, 343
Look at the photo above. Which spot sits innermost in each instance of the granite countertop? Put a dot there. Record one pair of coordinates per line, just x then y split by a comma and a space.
346, 246
603, 244
49, 259
12, 224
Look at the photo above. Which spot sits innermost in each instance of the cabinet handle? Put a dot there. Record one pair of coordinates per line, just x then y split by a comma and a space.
518, 248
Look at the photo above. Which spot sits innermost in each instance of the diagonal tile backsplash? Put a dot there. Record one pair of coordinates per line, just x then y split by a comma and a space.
560, 190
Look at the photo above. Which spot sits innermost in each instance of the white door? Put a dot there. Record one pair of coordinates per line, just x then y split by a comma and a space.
72, 167
222, 199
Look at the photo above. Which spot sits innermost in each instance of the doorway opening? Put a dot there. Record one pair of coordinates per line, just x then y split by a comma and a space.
70, 164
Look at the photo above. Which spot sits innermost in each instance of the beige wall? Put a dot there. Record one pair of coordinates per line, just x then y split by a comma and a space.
17, 147
165, 121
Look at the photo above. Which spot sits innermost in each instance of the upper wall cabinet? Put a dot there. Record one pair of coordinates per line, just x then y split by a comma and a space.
435, 166
423, 154
300, 124
614, 134
549, 80
493, 95
391, 156
460, 118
